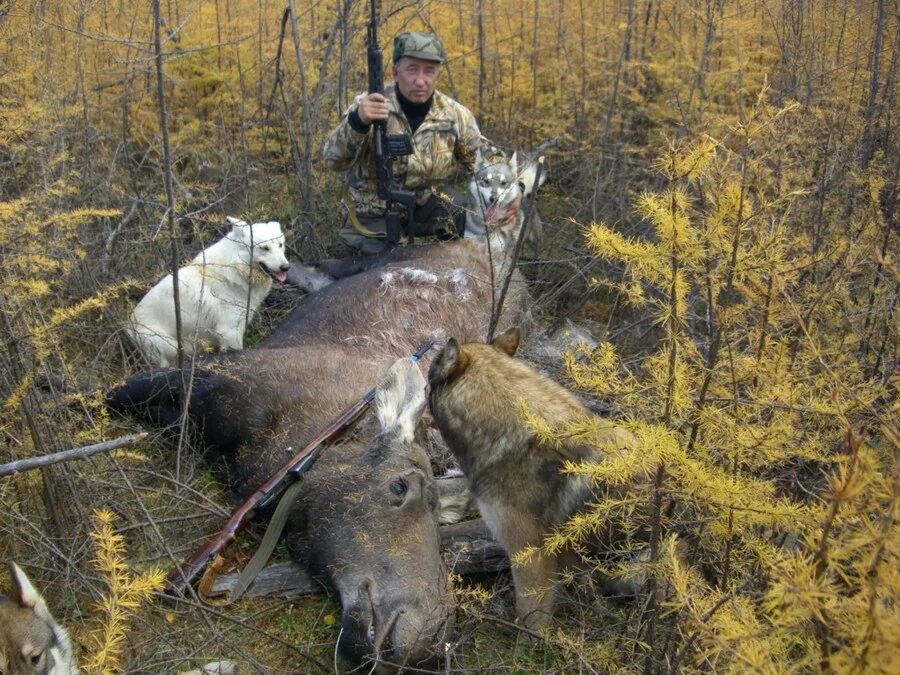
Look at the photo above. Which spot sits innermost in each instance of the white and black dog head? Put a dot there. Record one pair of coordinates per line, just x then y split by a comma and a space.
265, 241
495, 185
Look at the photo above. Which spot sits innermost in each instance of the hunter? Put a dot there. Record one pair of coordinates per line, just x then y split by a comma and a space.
445, 141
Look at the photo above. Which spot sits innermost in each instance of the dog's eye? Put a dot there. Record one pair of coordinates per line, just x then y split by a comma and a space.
265, 248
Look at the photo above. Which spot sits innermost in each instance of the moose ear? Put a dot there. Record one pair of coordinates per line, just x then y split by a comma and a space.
508, 342
400, 399
451, 361
22, 592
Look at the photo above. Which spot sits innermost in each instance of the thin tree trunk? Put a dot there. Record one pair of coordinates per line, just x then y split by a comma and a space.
610, 109
479, 17
305, 178
173, 225
534, 73
711, 11
218, 37
716, 337
345, 8
79, 70
259, 54
656, 507
583, 41
647, 13
167, 174
873, 292
868, 138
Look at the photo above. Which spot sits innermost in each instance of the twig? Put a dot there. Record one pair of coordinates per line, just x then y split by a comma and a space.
517, 250
676, 661
69, 455
534, 634
212, 611
114, 234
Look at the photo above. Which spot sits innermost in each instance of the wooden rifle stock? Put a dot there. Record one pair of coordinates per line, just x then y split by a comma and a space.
182, 577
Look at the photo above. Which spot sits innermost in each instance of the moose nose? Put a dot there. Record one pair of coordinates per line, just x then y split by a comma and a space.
370, 632
359, 629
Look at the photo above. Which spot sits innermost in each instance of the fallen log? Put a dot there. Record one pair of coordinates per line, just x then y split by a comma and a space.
68, 455
467, 547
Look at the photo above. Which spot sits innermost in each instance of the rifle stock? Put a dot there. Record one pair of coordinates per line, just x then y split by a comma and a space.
182, 577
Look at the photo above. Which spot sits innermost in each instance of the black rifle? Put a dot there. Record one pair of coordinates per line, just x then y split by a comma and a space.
387, 147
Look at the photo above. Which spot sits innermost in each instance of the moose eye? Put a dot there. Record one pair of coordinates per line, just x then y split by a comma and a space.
398, 487
36, 659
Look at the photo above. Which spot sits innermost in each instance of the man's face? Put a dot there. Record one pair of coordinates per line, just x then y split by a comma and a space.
416, 78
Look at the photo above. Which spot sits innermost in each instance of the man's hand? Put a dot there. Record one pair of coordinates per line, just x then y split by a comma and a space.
372, 107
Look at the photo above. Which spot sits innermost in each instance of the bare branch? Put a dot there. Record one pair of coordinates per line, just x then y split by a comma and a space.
68, 455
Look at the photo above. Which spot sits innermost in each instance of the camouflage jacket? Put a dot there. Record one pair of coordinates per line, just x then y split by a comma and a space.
445, 142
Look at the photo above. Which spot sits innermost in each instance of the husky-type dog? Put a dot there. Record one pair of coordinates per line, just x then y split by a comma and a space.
476, 398
31, 642
220, 291
495, 185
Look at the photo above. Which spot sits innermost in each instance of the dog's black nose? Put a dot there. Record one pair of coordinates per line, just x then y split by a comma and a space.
285, 267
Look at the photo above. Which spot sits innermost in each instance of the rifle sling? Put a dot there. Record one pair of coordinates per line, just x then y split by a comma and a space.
362, 229
268, 543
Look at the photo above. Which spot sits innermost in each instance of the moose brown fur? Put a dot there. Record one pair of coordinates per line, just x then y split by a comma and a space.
378, 552
476, 397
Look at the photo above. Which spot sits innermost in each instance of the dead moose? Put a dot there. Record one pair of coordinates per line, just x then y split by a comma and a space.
367, 522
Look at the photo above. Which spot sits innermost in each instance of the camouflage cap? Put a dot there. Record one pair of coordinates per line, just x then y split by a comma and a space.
427, 46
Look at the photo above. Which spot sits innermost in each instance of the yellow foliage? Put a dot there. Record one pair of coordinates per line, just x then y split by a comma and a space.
125, 594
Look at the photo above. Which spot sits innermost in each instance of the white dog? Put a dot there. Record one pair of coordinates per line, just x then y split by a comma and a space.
219, 293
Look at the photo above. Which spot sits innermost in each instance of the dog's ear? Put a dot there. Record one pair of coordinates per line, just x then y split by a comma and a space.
526, 178
236, 222
449, 363
543, 174
479, 160
508, 342
514, 163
